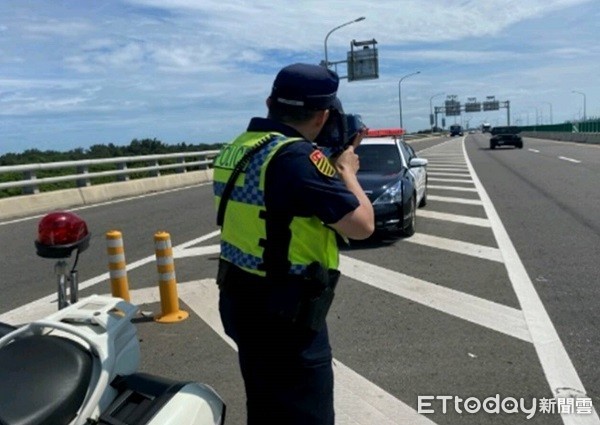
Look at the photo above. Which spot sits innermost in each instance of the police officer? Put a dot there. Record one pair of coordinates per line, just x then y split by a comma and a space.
280, 203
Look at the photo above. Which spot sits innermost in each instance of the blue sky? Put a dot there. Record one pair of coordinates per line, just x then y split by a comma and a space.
78, 73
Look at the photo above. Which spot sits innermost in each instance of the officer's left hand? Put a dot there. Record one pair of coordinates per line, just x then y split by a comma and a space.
357, 139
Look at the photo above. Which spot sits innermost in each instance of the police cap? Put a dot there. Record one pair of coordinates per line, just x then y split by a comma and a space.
305, 85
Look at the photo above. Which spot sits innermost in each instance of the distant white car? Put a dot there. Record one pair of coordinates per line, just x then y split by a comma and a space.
395, 180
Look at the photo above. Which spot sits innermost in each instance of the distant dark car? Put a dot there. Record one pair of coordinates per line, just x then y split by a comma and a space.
456, 130
395, 180
502, 136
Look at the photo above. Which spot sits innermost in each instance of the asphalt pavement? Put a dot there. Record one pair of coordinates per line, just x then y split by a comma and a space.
493, 298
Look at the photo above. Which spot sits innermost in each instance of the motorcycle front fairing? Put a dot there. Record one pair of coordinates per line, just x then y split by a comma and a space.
80, 363
83, 346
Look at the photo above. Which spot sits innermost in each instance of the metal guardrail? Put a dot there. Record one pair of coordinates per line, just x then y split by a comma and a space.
30, 183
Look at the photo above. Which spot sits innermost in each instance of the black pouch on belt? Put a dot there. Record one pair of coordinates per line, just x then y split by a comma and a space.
304, 300
318, 297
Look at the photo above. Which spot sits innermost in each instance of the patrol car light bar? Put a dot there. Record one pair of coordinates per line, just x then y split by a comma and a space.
384, 132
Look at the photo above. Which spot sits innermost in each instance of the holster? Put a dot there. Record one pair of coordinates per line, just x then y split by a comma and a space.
304, 300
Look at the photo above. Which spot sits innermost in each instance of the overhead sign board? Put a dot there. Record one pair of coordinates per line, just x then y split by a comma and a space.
473, 107
452, 107
363, 64
491, 105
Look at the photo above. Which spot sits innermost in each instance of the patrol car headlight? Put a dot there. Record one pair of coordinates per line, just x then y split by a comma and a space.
392, 195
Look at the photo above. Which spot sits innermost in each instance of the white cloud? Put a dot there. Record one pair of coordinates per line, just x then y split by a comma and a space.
57, 28
189, 69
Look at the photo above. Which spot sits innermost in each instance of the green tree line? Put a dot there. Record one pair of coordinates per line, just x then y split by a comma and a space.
135, 148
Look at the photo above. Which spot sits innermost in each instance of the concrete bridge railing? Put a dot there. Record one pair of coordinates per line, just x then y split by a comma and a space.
191, 168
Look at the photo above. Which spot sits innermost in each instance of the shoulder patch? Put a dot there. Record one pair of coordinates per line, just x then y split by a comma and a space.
322, 163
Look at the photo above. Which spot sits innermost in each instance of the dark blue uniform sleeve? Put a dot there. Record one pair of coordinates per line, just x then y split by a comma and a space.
295, 186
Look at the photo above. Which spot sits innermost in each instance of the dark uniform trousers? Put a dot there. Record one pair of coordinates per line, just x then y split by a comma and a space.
287, 370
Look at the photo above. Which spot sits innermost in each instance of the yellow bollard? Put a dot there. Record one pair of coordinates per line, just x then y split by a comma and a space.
117, 268
169, 300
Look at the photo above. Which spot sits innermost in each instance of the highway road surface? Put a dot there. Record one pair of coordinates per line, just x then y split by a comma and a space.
494, 301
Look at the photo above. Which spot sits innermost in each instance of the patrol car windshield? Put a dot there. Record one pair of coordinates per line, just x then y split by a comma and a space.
379, 159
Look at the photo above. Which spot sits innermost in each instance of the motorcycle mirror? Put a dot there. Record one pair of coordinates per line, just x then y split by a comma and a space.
60, 233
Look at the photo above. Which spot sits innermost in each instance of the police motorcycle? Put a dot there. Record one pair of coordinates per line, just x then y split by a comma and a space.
79, 365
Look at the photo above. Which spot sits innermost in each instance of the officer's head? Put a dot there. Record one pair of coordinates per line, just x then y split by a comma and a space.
301, 97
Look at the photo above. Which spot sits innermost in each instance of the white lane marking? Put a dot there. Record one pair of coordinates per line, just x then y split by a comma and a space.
198, 251
454, 200
442, 155
455, 188
357, 400
558, 368
564, 158
446, 163
464, 219
453, 245
446, 168
441, 179
101, 204
489, 314
436, 147
15, 316
533, 150
454, 174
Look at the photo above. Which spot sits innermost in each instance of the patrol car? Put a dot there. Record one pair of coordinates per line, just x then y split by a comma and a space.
394, 178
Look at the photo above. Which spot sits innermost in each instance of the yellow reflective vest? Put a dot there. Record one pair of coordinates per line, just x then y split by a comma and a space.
243, 233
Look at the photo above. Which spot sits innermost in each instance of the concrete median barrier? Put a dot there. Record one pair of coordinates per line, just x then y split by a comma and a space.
593, 138
41, 203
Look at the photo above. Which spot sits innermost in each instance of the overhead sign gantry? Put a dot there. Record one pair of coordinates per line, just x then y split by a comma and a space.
452, 107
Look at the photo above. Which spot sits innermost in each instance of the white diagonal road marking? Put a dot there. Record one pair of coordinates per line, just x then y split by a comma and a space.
454, 200
473, 221
453, 245
486, 313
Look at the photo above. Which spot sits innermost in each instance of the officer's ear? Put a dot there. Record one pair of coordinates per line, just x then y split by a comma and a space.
321, 117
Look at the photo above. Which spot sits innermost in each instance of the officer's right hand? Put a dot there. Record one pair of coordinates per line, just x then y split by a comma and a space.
347, 162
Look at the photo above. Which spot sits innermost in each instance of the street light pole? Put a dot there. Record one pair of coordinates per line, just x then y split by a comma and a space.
362, 18
550, 105
400, 93
431, 109
584, 102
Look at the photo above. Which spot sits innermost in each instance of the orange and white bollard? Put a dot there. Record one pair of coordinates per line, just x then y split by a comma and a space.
169, 300
117, 268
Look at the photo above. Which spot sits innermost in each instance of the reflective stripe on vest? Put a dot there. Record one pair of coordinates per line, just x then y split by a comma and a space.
242, 229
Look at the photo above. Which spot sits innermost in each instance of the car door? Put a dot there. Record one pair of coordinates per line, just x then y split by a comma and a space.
419, 173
